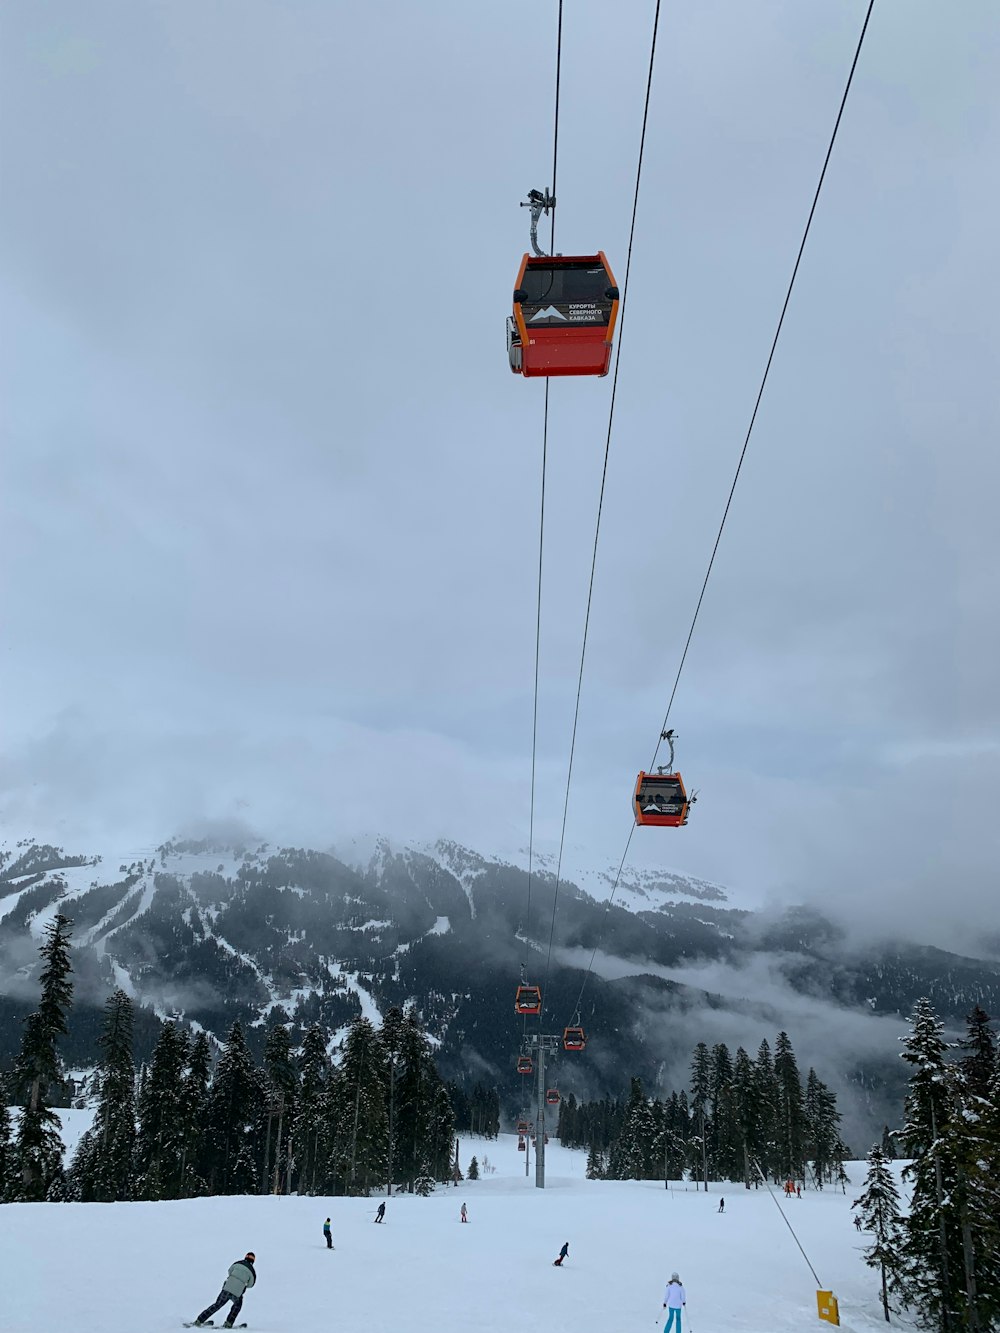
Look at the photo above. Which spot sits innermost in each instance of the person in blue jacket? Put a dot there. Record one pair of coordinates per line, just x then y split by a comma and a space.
242, 1275
674, 1300
326, 1233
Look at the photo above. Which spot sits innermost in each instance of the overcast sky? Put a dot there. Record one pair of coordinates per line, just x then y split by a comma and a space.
270, 493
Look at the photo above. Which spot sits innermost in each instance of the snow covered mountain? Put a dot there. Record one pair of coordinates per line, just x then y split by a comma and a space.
213, 933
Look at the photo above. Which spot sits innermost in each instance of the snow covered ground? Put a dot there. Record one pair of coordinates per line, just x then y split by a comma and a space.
113, 1268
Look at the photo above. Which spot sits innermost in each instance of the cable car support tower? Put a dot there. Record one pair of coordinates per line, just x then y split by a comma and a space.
541, 1044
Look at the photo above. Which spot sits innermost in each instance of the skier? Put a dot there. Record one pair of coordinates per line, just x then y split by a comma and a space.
798, 1191
326, 1233
722, 1205
241, 1275
381, 1212
857, 1222
558, 1263
674, 1299
465, 1213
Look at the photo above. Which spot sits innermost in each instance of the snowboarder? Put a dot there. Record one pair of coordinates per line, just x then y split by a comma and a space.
465, 1213
674, 1299
326, 1233
241, 1275
722, 1205
558, 1263
381, 1212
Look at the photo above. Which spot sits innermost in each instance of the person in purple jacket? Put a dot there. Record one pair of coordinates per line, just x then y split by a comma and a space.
674, 1300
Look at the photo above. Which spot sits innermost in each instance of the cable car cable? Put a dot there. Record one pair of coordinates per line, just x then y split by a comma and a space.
739, 465
541, 528
604, 477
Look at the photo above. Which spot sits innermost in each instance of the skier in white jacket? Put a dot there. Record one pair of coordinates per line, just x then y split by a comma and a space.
674, 1299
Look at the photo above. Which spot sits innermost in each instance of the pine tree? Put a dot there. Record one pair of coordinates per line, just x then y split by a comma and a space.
314, 1066
633, 1149
747, 1113
979, 1066
701, 1082
823, 1143
970, 1141
6, 1147
725, 1155
38, 1148
791, 1110
103, 1169
415, 1084
161, 1138
235, 1111
933, 1245
595, 1163
281, 1097
192, 1113
878, 1209
473, 1172
767, 1154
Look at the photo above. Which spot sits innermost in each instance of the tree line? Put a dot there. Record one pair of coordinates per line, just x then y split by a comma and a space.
179, 1128
942, 1259
741, 1118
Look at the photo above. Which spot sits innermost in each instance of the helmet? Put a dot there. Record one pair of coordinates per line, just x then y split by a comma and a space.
250, 1255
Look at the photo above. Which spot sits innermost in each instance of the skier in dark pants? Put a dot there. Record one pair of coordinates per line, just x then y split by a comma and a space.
722, 1205
381, 1212
326, 1233
241, 1275
558, 1263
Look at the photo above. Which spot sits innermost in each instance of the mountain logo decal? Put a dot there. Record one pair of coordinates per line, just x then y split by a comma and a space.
550, 312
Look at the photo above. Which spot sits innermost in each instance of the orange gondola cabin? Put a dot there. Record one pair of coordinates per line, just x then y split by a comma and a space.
661, 799
524, 1065
528, 1000
565, 310
574, 1039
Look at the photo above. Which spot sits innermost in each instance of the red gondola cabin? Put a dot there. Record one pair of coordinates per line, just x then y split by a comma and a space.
524, 1127
574, 1039
528, 1000
661, 799
565, 309
524, 1065
552, 1097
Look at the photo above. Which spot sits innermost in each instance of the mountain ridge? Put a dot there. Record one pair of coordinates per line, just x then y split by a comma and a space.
209, 932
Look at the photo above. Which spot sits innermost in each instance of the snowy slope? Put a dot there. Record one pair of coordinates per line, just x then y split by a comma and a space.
151, 1265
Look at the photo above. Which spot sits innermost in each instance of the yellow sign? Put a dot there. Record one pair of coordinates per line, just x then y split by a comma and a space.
826, 1303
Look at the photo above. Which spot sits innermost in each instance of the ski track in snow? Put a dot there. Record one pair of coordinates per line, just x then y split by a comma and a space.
426, 1272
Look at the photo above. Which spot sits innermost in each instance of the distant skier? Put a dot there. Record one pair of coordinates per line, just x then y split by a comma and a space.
558, 1263
326, 1233
857, 1222
241, 1275
674, 1299
798, 1191
381, 1212
465, 1213
722, 1205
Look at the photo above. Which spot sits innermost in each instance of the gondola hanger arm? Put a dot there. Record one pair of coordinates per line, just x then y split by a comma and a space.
539, 203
